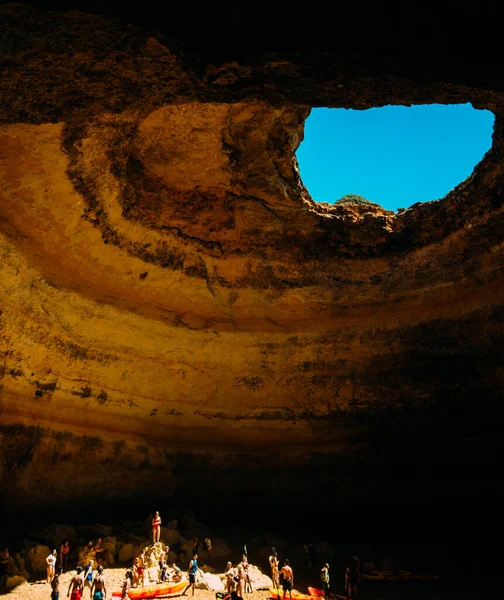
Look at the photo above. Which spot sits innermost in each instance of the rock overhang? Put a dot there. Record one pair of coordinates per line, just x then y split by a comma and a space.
157, 295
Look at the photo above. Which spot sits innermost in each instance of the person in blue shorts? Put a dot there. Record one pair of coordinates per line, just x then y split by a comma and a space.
98, 586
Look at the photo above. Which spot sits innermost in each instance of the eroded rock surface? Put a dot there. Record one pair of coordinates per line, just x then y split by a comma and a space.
175, 307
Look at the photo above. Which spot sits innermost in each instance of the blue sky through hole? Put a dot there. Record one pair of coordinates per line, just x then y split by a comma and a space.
394, 155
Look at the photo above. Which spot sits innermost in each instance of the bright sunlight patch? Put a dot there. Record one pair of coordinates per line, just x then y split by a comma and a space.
394, 155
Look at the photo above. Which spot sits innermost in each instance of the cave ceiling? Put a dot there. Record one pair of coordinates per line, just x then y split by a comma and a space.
169, 291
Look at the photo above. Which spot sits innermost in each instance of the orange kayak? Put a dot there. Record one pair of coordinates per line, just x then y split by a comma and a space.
278, 595
315, 593
152, 591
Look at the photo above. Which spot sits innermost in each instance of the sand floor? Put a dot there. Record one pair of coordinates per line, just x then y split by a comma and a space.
114, 578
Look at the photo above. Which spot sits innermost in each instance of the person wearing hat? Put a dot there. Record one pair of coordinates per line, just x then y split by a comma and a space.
99, 586
324, 576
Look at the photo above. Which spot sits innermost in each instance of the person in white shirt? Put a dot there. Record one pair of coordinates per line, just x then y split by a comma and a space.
51, 565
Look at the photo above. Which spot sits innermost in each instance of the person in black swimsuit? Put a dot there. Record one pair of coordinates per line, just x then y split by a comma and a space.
352, 577
288, 578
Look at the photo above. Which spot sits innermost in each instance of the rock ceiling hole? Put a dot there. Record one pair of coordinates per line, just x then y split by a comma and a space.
395, 156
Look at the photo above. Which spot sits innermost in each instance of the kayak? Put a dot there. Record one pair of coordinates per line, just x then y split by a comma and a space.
152, 591
315, 593
278, 595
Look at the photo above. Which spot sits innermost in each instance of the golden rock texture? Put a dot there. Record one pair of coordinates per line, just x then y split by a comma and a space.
173, 302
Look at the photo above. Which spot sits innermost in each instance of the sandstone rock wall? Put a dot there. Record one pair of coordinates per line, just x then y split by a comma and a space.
173, 302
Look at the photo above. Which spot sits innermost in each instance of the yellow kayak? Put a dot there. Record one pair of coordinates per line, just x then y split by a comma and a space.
151, 591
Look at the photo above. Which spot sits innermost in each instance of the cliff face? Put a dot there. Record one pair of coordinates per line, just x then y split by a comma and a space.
172, 301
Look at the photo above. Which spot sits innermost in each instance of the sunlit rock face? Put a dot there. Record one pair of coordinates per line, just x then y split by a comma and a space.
176, 310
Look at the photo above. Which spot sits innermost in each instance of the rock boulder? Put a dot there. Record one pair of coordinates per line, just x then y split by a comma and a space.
37, 558
126, 553
12, 581
210, 582
258, 579
170, 536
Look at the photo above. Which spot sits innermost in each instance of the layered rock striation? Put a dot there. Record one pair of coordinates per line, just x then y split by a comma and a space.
173, 301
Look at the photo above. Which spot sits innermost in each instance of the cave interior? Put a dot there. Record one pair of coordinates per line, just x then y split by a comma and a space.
181, 324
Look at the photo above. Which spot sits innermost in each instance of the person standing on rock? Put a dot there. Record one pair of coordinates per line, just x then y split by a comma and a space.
163, 571
164, 554
156, 528
324, 576
163, 564
51, 565
76, 585
273, 561
288, 578
55, 584
99, 586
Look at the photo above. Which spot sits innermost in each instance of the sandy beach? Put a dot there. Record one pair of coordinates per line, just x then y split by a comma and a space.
40, 590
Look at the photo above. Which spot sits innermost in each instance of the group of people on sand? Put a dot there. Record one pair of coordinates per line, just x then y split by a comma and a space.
352, 578
238, 578
56, 561
83, 579
59, 560
156, 536
136, 576
285, 577
166, 573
